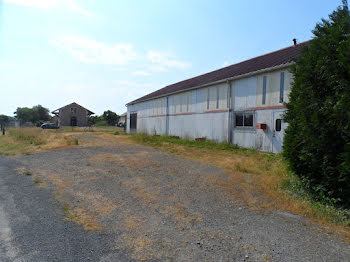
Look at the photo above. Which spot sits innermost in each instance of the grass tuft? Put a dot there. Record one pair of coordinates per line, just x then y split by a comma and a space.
37, 181
157, 140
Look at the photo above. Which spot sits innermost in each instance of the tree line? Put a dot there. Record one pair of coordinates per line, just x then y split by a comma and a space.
35, 115
108, 118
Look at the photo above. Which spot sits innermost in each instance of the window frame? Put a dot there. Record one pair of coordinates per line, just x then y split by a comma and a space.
244, 113
217, 97
208, 97
264, 90
282, 77
279, 121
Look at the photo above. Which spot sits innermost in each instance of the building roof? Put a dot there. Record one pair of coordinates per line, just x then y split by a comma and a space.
71, 104
270, 60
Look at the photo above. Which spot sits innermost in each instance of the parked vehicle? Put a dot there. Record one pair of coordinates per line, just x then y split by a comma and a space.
49, 126
120, 124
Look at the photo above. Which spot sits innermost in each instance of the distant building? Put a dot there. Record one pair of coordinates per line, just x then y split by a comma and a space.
73, 115
122, 118
241, 104
54, 120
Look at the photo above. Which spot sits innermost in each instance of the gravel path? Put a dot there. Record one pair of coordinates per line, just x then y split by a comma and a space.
143, 205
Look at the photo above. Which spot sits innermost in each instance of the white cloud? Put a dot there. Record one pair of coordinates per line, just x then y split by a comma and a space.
127, 83
163, 61
226, 63
51, 4
141, 73
94, 52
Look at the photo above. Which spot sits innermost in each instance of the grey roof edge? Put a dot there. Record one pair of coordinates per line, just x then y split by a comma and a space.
216, 82
139, 100
90, 112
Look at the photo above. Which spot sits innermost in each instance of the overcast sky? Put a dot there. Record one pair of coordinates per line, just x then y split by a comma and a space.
103, 54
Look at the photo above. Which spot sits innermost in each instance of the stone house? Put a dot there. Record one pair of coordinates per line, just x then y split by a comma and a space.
73, 115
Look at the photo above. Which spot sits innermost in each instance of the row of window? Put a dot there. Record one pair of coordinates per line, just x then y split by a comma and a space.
216, 94
281, 89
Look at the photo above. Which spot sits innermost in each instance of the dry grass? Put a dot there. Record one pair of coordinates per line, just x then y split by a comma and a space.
138, 161
179, 213
83, 217
141, 247
28, 140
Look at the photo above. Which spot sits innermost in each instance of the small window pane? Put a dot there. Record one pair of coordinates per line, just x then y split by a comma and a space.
282, 87
264, 91
278, 125
248, 119
208, 98
239, 119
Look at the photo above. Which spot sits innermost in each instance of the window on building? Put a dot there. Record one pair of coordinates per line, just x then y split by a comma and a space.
188, 100
73, 110
245, 119
248, 119
278, 125
217, 96
208, 98
228, 95
239, 120
282, 87
181, 101
264, 91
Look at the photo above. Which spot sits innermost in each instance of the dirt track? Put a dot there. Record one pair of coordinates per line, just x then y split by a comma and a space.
151, 205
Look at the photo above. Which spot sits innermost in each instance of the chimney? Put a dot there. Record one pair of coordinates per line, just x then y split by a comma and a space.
294, 41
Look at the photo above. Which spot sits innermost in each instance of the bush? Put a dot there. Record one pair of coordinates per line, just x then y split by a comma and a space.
102, 123
317, 140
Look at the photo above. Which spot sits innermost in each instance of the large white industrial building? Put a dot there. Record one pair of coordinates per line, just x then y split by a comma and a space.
241, 104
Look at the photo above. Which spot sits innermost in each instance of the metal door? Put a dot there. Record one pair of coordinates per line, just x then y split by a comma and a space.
133, 120
278, 132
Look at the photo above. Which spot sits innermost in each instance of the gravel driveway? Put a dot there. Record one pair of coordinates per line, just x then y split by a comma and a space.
138, 203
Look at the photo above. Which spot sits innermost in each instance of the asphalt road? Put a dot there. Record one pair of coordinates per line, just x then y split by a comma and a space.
152, 206
33, 227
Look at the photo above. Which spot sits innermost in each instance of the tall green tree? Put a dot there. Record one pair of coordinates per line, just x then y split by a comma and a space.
43, 112
317, 140
34, 115
4, 119
111, 117
25, 114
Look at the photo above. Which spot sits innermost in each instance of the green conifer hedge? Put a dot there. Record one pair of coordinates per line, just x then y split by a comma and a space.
317, 140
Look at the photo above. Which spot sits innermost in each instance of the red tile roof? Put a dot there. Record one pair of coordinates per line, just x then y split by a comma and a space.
276, 58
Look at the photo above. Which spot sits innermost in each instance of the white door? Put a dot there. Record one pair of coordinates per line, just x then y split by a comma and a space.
278, 132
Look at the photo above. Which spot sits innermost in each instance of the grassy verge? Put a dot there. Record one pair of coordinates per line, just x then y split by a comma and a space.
28, 135
261, 180
27, 140
98, 129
